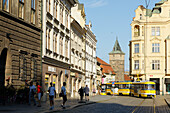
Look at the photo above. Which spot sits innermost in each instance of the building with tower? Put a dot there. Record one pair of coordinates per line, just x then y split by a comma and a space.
116, 60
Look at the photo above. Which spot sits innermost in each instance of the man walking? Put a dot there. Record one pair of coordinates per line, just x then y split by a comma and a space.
39, 90
81, 92
31, 93
86, 91
63, 91
52, 92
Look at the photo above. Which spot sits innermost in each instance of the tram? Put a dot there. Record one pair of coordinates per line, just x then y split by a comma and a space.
124, 88
143, 89
106, 89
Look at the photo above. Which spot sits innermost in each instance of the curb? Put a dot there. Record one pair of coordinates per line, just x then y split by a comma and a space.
72, 107
167, 102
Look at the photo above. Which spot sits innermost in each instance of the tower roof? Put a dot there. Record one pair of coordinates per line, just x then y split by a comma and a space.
116, 48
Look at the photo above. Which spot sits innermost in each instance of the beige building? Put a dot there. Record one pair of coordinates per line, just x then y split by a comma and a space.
77, 67
149, 47
56, 43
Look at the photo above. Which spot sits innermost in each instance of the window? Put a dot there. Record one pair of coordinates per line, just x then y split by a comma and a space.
155, 31
22, 67
56, 11
136, 48
61, 46
155, 65
33, 11
66, 20
49, 39
21, 9
66, 48
136, 31
140, 16
56, 43
155, 48
34, 68
46, 37
49, 5
136, 66
5, 5
61, 15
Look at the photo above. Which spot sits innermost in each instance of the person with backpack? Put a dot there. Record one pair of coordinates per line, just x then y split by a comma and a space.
52, 93
39, 91
32, 93
86, 91
63, 91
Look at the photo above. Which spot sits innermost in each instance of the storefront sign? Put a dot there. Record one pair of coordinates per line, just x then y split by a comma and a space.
151, 75
51, 69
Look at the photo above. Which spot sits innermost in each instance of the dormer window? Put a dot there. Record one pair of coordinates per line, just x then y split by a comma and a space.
140, 16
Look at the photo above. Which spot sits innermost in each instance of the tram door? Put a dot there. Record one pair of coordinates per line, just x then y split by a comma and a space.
156, 80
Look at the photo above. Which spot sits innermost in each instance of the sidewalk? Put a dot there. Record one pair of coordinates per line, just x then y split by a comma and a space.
71, 103
167, 99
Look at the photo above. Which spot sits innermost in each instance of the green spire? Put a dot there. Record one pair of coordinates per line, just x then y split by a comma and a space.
116, 48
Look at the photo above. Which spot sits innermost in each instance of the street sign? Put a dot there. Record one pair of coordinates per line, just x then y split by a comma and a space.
113, 82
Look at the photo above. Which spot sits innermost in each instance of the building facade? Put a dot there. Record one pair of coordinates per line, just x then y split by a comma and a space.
116, 60
56, 43
20, 43
90, 58
149, 47
77, 48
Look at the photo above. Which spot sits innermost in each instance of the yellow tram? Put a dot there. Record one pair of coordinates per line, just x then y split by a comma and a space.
143, 89
106, 89
124, 88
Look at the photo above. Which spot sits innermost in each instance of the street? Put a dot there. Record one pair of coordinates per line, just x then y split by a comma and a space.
124, 104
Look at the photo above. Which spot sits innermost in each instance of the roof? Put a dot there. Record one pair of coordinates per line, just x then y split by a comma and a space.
106, 67
116, 48
127, 78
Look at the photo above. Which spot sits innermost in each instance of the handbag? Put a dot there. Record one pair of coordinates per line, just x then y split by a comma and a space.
60, 94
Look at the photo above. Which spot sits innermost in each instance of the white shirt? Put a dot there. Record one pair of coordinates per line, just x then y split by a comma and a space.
63, 89
52, 89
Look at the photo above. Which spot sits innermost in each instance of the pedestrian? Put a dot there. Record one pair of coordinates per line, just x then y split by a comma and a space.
52, 93
63, 91
39, 90
32, 92
81, 92
94, 91
86, 91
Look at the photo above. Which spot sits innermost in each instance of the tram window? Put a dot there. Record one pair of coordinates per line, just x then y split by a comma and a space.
116, 86
124, 85
146, 86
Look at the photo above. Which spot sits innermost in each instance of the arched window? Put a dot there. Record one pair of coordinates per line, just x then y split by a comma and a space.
136, 31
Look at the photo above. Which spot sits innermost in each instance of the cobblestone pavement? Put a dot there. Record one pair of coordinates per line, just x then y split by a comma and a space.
125, 104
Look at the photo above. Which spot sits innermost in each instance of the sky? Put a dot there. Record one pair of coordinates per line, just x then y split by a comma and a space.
111, 19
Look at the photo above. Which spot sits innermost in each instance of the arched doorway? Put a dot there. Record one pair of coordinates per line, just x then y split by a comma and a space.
3, 57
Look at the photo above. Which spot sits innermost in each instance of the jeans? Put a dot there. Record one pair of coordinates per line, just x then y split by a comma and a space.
31, 96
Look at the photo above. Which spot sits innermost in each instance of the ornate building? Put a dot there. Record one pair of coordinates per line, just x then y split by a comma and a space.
56, 43
20, 43
116, 60
149, 47
77, 67
90, 57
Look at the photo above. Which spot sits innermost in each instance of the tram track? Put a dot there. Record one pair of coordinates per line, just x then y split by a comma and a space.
139, 107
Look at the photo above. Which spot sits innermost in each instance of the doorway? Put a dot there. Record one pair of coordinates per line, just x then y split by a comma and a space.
3, 57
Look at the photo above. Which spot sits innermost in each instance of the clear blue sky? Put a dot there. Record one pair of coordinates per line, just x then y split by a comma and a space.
111, 19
